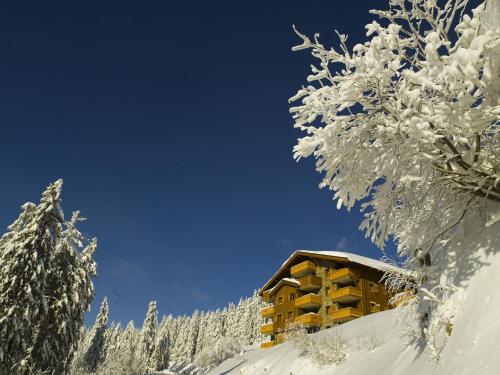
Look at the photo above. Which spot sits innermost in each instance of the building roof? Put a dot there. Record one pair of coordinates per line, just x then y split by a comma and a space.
339, 256
285, 280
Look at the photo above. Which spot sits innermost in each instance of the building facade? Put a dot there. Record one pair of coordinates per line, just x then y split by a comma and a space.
319, 289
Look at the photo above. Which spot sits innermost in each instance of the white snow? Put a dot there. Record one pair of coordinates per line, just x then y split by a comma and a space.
294, 281
354, 258
473, 347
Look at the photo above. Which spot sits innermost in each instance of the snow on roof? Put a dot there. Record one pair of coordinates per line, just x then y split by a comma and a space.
285, 279
355, 258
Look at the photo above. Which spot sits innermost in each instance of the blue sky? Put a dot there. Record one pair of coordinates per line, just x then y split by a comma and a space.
169, 124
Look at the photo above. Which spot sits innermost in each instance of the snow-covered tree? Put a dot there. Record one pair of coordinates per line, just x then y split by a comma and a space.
185, 343
45, 287
405, 122
226, 347
124, 357
69, 279
96, 350
203, 331
231, 321
161, 353
26, 252
407, 125
148, 336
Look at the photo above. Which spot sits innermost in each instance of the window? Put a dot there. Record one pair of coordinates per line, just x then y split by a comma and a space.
373, 287
327, 310
292, 296
290, 315
280, 300
278, 318
327, 272
327, 291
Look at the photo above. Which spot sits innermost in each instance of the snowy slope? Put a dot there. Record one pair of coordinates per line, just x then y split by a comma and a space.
473, 348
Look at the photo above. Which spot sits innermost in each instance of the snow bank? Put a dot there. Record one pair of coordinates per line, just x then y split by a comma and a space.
473, 347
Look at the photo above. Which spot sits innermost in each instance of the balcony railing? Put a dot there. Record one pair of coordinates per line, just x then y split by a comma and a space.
346, 314
344, 275
346, 294
302, 269
267, 329
267, 344
267, 311
309, 283
308, 302
309, 320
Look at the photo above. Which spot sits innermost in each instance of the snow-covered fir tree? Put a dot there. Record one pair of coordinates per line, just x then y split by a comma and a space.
95, 353
202, 332
124, 356
45, 286
148, 336
162, 349
23, 282
69, 277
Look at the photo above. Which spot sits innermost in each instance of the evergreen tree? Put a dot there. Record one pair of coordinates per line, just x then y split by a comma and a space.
45, 287
181, 337
161, 353
148, 336
69, 280
24, 297
131, 361
202, 332
96, 351
112, 363
231, 324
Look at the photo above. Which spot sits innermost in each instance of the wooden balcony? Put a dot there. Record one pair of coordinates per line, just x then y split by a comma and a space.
308, 302
267, 311
309, 320
346, 294
267, 344
346, 314
302, 269
344, 275
267, 329
309, 283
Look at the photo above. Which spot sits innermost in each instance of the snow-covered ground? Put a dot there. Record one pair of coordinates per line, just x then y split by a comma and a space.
473, 347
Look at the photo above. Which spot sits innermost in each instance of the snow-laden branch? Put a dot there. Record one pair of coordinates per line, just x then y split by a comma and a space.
406, 123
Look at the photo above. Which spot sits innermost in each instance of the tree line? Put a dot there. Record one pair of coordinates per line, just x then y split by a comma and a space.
46, 272
192, 343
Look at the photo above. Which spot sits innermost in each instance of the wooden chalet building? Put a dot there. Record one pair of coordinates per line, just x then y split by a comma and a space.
320, 289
